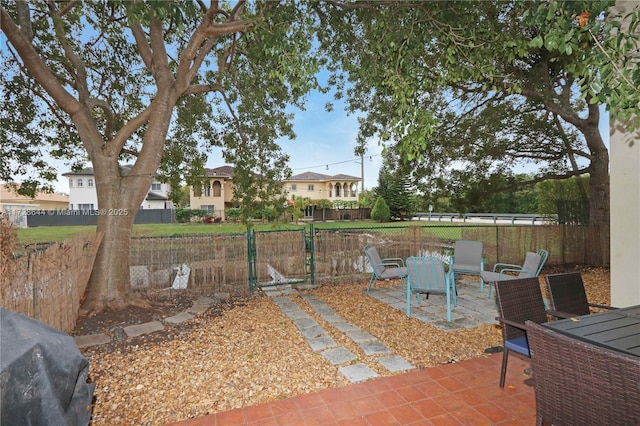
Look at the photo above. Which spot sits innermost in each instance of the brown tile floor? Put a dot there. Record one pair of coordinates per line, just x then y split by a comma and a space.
464, 393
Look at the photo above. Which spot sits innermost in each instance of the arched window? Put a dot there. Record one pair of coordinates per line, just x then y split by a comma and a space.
338, 188
90, 182
217, 189
70, 183
353, 189
80, 184
330, 190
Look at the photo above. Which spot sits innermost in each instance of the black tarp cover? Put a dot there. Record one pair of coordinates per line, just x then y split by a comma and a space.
43, 380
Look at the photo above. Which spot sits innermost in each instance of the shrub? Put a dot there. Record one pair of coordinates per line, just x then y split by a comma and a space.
184, 215
380, 211
233, 214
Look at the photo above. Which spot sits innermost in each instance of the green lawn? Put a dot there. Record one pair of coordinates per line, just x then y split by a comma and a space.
46, 234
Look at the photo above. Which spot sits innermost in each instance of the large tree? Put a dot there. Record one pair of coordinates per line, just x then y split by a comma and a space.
148, 81
135, 81
431, 76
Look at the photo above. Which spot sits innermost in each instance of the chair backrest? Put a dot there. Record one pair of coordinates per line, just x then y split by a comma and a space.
374, 259
426, 273
531, 266
577, 383
468, 253
567, 293
520, 300
544, 254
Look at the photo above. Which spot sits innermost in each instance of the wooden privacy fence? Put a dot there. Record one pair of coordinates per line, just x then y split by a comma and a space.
48, 284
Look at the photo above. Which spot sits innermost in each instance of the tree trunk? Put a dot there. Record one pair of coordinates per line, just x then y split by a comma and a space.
598, 168
119, 199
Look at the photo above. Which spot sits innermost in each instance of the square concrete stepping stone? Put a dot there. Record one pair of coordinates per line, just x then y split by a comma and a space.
339, 355
357, 373
306, 323
332, 318
313, 332
345, 326
321, 343
286, 306
204, 300
296, 314
374, 348
272, 293
360, 336
146, 328
395, 363
91, 340
223, 296
179, 318
198, 309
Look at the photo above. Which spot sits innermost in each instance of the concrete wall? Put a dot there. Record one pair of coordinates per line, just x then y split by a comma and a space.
625, 208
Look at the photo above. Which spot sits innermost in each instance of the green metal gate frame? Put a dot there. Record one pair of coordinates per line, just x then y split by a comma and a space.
252, 256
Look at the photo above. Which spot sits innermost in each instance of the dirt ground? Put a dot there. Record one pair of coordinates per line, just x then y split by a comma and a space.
245, 351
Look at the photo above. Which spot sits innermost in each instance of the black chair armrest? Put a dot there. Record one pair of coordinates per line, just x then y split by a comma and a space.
511, 323
559, 314
596, 305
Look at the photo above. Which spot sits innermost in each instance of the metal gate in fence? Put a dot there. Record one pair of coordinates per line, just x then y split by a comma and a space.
279, 257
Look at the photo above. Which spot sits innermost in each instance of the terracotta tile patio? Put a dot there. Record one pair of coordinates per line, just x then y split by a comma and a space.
464, 393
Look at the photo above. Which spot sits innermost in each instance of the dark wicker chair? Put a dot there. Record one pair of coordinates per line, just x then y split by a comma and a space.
567, 297
519, 300
578, 383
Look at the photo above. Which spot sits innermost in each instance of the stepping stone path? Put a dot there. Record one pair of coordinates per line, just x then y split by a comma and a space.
319, 339
200, 306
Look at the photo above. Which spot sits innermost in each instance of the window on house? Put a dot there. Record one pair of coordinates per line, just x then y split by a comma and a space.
338, 188
85, 207
156, 187
210, 209
207, 189
294, 187
310, 187
90, 182
197, 191
330, 190
80, 184
70, 183
217, 189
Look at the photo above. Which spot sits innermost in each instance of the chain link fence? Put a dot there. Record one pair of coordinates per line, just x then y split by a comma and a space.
205, 264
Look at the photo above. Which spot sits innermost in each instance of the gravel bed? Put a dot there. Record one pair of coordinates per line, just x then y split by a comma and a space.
250, 353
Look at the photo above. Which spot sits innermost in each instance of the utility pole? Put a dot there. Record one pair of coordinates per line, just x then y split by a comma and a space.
362, 173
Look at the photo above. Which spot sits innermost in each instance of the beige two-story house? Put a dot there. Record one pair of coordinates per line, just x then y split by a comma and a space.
216, 192
318, 186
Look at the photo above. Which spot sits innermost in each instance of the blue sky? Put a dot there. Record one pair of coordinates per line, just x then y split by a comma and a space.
326, 139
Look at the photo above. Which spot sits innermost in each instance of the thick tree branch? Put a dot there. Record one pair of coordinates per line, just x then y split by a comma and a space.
160, 58
79, 67
37, 67
143, 47
24, 19
108, 112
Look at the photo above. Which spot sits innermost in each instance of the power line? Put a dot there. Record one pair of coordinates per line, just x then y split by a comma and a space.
326, 165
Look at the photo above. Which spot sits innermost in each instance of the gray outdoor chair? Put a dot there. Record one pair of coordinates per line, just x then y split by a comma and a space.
533, 263
467, 259
384, 269
426, 275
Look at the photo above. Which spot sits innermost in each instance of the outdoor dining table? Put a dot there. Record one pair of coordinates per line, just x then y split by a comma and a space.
617, 329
